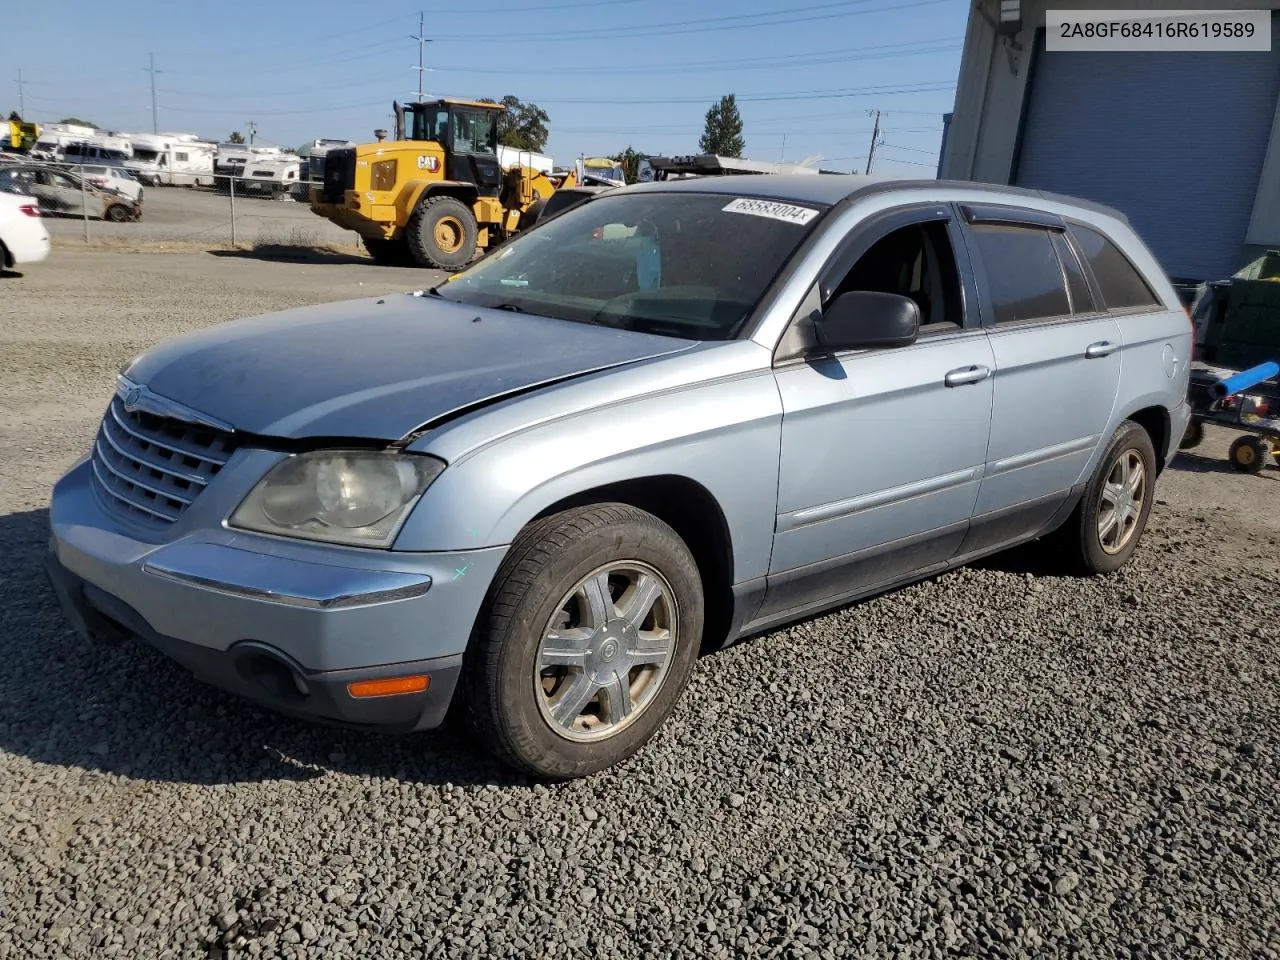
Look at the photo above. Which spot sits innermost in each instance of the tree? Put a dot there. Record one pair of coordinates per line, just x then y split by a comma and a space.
236, 137
723, 132
522, 125
79, 122
630, 161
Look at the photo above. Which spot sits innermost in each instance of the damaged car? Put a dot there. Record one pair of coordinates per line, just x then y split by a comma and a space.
66, 194
675, 415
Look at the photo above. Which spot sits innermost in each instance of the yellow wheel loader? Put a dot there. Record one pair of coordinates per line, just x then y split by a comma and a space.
435, 194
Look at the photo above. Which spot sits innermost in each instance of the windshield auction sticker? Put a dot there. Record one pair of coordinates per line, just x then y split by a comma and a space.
1137, 30
774, 211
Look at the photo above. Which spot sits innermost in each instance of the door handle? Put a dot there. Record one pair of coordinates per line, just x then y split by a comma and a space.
962, 375
1103, 348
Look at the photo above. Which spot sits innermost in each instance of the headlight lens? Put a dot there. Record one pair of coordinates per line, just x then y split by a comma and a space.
357, 497
383, 175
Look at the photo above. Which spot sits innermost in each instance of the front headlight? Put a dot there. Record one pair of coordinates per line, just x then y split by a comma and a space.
357, 497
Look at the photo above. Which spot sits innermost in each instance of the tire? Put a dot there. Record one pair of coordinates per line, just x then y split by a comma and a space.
531, 214
1249, 454
442, 234
521, 705
1091, 547
389, 253
118, 213
1194, 435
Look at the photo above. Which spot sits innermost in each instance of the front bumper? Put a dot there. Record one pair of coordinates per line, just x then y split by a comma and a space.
285, 623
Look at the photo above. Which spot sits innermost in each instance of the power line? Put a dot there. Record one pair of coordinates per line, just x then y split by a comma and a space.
713, 24
894, 146
830, 94
850, 55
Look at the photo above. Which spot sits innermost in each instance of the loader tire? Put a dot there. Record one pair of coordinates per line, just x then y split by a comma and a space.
442, 234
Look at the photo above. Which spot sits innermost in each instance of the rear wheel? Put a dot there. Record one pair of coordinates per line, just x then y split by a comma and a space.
442, 233
1105, 528
588, 639
389, 253
1249, 454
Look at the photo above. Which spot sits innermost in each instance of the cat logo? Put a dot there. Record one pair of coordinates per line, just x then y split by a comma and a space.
430, 164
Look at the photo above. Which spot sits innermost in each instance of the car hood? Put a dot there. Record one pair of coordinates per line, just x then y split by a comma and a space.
377, 369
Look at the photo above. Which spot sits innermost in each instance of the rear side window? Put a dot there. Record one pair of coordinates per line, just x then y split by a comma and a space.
1023, 272
1118, 280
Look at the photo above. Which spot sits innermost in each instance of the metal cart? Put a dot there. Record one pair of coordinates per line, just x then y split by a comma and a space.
1255, 411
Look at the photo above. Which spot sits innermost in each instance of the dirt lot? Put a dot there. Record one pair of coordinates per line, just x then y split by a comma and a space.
200, 216
1003, 761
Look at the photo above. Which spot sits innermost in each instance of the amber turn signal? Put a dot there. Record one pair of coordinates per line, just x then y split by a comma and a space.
390, 687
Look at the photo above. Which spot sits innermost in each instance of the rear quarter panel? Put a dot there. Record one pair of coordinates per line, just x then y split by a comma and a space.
1155, 362
711, 415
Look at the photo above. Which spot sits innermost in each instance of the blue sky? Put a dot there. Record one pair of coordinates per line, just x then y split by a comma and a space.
610, 73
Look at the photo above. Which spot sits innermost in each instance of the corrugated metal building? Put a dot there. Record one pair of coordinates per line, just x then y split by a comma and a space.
1186, 143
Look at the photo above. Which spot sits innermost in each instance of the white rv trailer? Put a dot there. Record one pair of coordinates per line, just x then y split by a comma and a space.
73, 143
230, 159
172, 159
510, 157
277, 176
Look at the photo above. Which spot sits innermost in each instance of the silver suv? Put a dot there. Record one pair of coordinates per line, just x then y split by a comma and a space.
673, 416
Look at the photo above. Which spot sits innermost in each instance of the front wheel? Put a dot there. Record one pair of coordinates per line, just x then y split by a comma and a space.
588, 639
1105, 528
118, 213
442, 233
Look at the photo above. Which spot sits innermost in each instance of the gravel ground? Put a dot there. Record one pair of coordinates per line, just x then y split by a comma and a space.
185, 214
998, 762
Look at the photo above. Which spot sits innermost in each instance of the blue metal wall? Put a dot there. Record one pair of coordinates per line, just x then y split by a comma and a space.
1175, 140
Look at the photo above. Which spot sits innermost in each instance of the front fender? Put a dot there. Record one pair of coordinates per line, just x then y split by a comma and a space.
723, 435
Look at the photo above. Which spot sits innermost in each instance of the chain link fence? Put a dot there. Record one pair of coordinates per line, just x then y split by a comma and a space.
107, 205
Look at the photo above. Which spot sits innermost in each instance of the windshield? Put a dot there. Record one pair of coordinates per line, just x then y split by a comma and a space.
474, 131
677, 264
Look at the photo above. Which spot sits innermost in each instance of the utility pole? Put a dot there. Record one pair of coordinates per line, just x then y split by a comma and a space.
253, 130
22, 96
422, 43
875, 142
783, 152
155, 124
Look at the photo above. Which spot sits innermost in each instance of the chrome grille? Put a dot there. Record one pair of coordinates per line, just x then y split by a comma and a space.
153, 468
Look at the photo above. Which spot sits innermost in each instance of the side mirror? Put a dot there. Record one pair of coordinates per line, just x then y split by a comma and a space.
863, 319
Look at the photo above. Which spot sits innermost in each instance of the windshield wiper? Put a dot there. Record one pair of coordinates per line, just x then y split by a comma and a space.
513, 307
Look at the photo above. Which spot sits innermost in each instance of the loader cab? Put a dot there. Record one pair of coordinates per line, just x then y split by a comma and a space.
467, 130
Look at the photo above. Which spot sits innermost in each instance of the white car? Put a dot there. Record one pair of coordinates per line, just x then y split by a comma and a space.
112, 178
23, 238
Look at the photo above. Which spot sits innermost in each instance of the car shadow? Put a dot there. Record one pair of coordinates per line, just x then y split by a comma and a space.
129, 711
1199, 463
279, 253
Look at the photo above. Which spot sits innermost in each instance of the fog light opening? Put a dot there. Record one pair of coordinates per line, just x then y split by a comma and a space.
389, 686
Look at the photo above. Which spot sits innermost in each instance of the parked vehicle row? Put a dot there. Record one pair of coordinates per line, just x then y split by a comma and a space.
62, 193
784, 393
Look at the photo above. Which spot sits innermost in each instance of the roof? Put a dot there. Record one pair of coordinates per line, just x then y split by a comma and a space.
805, 188
831, 189
454, 102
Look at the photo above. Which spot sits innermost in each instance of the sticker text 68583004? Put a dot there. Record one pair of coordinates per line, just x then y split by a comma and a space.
787, 212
